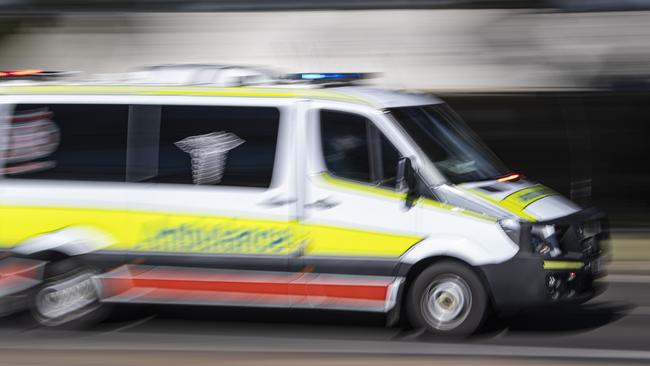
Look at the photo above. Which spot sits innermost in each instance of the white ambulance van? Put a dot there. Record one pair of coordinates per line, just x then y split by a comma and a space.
312, 192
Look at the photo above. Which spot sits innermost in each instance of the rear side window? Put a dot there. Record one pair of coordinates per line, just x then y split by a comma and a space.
67, 142
210, 145
353, 148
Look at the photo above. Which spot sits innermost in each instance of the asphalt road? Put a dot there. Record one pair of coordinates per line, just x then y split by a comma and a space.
614, 327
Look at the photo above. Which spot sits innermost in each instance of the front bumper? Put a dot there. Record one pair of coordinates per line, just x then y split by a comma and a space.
524, 282
530, 280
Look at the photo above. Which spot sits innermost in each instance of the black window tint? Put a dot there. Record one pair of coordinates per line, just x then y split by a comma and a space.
142, 144
68, 142
232, 146
354, 149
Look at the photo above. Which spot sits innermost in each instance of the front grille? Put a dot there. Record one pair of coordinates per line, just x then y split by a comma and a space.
584, 238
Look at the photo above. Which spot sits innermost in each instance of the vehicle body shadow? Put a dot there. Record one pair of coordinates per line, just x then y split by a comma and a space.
560, 319
245, 321
271, 321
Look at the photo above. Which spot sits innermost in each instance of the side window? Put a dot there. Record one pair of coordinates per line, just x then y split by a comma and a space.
84, 142
345, 145
209, 145
353, 148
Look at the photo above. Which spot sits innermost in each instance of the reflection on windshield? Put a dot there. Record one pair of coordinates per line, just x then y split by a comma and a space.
449, 143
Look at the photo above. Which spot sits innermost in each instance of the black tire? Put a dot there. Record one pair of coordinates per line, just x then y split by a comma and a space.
66, 274
435, 297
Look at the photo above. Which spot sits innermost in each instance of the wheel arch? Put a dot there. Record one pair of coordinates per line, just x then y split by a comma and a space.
68, 241
48, 255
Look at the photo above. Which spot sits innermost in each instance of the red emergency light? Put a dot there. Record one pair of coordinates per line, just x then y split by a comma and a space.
32, 74
28, 72
509, 178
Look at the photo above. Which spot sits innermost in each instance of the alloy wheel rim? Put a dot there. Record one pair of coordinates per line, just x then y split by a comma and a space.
446, 302
64, 301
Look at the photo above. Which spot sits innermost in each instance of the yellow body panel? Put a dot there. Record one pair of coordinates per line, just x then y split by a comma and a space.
521, 199
509, 205
206, 91
181, 233
334, 241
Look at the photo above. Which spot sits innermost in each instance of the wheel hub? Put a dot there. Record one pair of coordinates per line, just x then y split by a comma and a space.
447, 302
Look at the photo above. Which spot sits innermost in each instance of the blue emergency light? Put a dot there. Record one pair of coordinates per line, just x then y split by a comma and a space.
329, 76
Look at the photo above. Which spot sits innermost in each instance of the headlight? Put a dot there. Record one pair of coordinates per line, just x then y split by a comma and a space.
544, 241
512, 228
539, 245
539, 239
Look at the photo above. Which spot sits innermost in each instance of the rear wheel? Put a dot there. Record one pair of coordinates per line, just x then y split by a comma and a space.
67, 297
447, 298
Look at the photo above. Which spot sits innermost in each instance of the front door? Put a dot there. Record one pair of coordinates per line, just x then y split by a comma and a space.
357, 222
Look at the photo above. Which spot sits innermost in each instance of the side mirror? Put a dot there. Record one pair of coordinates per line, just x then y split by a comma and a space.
406, 180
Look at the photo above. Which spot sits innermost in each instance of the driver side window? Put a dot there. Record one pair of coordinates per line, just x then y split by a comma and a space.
355, 149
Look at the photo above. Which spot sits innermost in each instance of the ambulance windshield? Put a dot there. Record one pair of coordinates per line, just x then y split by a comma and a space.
449, 143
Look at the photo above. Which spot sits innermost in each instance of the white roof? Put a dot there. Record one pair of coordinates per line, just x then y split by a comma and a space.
386, 98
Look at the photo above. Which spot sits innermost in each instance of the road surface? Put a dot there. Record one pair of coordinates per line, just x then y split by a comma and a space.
613, 328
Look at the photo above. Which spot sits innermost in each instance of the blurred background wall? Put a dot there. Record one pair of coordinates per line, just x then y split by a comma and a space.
468, 49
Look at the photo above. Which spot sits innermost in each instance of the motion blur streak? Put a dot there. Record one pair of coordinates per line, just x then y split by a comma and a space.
428, 49
274, 182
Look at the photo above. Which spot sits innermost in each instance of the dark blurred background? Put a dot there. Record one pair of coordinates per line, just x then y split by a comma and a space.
591, 146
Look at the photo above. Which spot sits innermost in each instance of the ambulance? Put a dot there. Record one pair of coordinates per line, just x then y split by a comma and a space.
311, 191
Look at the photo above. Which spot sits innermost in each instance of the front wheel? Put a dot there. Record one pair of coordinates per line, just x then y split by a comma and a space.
67, 297
447, 298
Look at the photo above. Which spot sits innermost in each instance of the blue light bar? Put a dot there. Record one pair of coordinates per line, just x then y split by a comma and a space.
329, 76
332, 76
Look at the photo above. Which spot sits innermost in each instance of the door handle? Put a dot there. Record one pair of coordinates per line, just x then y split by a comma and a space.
323, 204
278, 201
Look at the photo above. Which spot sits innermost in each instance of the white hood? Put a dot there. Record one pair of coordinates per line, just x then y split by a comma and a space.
523, 198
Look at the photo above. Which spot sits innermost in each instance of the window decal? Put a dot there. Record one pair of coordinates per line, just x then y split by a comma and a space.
31, 135
208, 153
